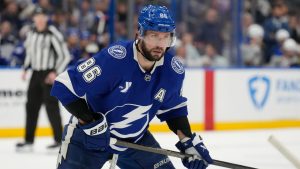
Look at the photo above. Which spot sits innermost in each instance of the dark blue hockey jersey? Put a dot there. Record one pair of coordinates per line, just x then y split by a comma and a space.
113, 83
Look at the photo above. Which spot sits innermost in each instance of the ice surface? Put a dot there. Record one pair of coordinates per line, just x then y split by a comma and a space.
245, 147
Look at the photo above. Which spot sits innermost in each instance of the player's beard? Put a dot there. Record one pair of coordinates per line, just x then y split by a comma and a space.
147, 52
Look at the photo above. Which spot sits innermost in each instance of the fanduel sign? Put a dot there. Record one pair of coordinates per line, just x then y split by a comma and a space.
259, 90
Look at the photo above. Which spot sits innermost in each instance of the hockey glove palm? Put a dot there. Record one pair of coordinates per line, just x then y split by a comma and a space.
97, 135
194, 146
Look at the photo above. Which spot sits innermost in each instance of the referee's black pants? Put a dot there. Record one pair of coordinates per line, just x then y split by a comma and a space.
37, 94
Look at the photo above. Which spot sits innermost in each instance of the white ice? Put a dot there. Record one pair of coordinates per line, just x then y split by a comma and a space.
245, 147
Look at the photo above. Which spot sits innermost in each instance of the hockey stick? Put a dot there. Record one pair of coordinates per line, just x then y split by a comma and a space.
175, 154
285, 152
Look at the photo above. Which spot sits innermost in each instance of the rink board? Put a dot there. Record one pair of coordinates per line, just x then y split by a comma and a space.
232, 99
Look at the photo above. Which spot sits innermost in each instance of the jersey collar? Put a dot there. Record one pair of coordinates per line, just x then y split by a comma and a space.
156, 64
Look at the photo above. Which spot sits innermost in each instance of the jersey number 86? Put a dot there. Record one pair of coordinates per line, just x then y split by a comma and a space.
89, 69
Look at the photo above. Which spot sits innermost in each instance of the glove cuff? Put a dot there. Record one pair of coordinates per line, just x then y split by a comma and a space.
196, 139
183, 144
179, 146
96, 128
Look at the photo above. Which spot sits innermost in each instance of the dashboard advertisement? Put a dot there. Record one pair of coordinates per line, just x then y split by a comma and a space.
257, 94
233, 96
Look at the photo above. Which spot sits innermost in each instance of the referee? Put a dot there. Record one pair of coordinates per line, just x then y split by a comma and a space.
47, 55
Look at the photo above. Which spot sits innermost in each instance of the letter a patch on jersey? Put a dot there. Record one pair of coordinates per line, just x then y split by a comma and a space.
160, 95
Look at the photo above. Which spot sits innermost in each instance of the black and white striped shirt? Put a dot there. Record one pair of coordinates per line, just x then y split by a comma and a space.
46, 50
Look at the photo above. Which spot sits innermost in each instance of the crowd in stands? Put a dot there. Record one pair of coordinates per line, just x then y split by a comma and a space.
270, 30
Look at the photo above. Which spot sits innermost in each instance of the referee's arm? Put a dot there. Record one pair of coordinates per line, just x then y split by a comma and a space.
61, 50
27, 61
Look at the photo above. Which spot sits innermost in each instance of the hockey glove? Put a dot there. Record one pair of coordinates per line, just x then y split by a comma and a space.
97, 135
194, 146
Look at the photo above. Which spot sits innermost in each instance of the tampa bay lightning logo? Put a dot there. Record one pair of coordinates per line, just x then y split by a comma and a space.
177, 65
259, 89
128, 120
117, 51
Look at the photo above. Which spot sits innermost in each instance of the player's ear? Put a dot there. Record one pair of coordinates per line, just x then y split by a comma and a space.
139, 34
138, 37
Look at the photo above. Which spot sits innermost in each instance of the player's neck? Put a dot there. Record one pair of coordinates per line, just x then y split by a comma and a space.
144, 63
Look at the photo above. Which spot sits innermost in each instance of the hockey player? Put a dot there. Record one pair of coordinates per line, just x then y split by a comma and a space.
116, 94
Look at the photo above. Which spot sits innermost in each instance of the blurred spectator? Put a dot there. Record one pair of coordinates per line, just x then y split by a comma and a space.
7, 42
280, 36
211, 58
27, 10
294, 25
2, 5
47, 6
73, 43
84, 39
252, 50
290, 57
192, 13
246, 22
90, 50
19, 52
192, 56
211, 30
259, 9
121, 31
122, 11
84, 15
100, 26
3, 62
69, 5
56, 3
59, 20
11, 14
278, 20
209, 22
180, 50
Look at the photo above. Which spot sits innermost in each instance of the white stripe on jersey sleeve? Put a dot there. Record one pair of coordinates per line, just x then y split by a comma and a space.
173, 108
65, 79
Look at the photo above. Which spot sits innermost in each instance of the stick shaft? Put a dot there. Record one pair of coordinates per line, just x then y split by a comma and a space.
285, 152
177, 154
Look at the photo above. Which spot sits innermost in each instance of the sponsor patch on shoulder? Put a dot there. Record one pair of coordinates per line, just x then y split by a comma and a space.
177, 65
117, 51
